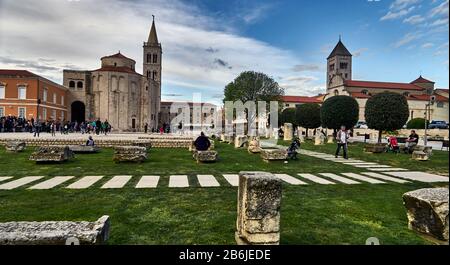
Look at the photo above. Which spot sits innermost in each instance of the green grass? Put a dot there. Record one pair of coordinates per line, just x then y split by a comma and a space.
312, 214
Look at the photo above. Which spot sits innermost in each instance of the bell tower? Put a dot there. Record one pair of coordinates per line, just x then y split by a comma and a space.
339, 64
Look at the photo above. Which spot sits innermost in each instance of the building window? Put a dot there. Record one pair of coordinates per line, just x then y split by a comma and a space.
72, 84
440, 104
45, 94
62, 100
2, 91
343, 65
346, 76
54, 98
148, 74
336, 92
62, 115
155, 58
44, 114
22, 112
365, 92
149, 58
53, 115
22, 92
154, 75
80, 84
331, 67
2, 112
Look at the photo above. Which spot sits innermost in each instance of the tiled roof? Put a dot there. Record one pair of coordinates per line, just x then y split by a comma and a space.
421, 80
16, 73
426, 98
382, 85
117, 55
339, 49
301, 99
121, 69
359, 95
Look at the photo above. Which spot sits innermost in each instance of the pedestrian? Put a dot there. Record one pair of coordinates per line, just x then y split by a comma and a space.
98, 126
342, 140
146, 127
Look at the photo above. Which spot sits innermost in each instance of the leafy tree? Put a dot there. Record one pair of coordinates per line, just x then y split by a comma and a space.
308, 116
288, 116
416, 123
386, 112
339, 110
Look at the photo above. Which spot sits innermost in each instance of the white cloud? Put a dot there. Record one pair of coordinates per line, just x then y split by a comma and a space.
77, 34
440, 22
359, 52
416, 19
401, 4
408, 38
392, 14
440, 10
427, 45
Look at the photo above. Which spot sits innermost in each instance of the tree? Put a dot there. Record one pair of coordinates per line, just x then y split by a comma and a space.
308, 116
386, 112
339, 110
288, 116
416, 123
253, 86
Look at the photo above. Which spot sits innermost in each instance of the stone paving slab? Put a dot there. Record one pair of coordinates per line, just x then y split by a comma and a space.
372, 166
51, 183
290, 179
419, 176
386, 169
4, 178
84, 182
178, 181
148, 182
207, 181
315, 179
352, 163
339, 178
384, 177
233, 179
363, 178
19, 182
116, 182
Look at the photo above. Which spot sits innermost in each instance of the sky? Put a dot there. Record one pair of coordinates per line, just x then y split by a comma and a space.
207, 43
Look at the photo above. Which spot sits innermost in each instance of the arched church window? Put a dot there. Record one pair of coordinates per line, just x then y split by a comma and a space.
155, 58
336, 92
149, 58
343, 65
72, 84
154, 75
148, 74
79, 84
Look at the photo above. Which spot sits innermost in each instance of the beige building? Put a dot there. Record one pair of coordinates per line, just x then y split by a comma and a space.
116, 92
418, 92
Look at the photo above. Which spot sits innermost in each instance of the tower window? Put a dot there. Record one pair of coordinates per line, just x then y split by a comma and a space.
346, 76
343, 65
79, 84
72, 84
155, 58
154, 75
331, 67
149, 58
148, 74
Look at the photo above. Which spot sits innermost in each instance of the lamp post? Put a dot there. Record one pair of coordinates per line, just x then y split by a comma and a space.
431, 100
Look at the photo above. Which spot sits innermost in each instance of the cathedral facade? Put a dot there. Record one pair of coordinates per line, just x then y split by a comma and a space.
116, 92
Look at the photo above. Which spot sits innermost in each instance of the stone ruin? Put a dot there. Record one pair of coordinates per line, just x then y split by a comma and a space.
273, 154
254, 146
288, 132
319, 139
130, 154
427, 211
84, 149
205, 156
419, 156
258, 209
240, 141
55, 232
52, 153
15, 146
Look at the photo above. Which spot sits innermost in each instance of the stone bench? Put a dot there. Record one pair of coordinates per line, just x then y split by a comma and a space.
52, 153
205, 156
130, 154
273, 154
427, 211
83, 149
419, 156
55, 232
15, 146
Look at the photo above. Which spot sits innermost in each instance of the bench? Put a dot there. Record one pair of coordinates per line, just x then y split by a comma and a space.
130, 154
52, 153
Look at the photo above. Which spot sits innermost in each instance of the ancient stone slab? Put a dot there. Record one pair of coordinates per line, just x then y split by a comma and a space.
148, 182
259, 201
19, 182
116, 182
290, 179
330, 139
254, 146
375, 148
178, 181
240, 141
315, 179
288, 132
84, 149
363, 178
418, 176
207, 181
15, 146
52, 153
384, 177
233, 179
319, 139
427, 211
130, 154
419, 156
85, 182
339, 178
4, 178
273, 154
55, 232
51, 183
205, 156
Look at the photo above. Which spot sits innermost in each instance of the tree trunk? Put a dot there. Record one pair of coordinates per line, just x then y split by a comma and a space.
379, 136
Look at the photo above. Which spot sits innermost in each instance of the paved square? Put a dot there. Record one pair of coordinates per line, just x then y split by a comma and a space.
386, 169
19, 182
148, 182
85, 182
315, 179
207, 181
178, 181
116, 182
384, 177
339, 178
290, 179
363, 178
51, 183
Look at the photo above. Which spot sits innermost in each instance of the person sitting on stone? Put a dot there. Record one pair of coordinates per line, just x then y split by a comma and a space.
292, 150
202, 142
90, 141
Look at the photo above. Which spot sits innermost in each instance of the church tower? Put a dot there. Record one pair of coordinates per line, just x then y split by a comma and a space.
152, 68
339, 65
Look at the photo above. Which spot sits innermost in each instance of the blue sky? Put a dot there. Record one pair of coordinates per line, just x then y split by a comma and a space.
207, 43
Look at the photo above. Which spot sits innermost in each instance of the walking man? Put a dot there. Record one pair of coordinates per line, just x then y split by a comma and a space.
342, 140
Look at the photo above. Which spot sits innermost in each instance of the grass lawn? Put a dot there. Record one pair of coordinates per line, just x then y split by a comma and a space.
312, 214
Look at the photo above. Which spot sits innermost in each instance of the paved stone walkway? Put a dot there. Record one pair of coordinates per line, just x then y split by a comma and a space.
204, 180
4, 178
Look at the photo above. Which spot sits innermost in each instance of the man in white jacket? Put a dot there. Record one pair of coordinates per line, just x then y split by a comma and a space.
342, 140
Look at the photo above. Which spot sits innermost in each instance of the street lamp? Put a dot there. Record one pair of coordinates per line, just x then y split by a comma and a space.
427, 114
